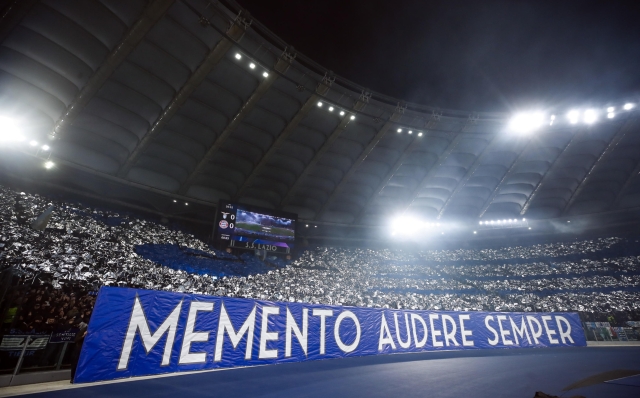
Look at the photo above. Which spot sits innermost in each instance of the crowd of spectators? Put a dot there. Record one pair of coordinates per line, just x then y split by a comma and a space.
84, 248
43, 309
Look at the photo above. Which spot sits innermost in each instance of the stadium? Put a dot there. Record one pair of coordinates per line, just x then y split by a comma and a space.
189, 205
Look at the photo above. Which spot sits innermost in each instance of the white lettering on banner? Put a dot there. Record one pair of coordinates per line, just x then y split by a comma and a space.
302, 336
186, 356
486, 323
435, 333
266, 335
138, 322
385, 335
464, 332
504, 333
323, 325
225, 326
550, 332
564, 333
449, 336
419, 343
520, 332
336, 331
531, 320
403, 344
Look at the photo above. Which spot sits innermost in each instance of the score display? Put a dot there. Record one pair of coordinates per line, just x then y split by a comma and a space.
250, 227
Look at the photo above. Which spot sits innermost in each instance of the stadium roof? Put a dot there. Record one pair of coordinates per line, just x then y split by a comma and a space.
150, 102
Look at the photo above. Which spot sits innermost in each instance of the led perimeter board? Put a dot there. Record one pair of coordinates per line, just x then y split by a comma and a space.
254, 228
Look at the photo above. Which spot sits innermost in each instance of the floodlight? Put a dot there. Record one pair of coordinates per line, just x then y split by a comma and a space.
352, 117
475, 232
526, 122
524, 219
590, 116
9, 130
573, 116
265, 74
33, 143
611, 109
307, 225
45, 147
529, 227
174, 201
399, 130
553, 117
330, 109
629, 106
480, 223
320, 104
504, 221
238, 56
611, 115
420, 134
48, 164
410, 132
341, 113
252, 65
186, 203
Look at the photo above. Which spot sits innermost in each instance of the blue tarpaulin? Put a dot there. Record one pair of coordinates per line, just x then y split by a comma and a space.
141, 332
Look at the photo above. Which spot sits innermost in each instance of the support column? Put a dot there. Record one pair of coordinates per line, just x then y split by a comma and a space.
150, 16
395, 117
467, 175
235, 33
321, 90
359, 106
613, 144
545, 177
280, 67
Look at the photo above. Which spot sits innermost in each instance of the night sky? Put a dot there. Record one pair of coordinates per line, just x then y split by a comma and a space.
471, 55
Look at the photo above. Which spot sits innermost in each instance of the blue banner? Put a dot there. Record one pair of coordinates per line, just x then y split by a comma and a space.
142, 332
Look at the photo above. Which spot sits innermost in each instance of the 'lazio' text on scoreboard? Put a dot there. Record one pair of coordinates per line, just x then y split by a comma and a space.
140, 332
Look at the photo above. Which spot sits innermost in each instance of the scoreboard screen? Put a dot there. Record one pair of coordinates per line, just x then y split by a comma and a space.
249, 227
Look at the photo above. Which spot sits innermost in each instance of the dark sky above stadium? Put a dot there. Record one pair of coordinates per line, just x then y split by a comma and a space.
480, 55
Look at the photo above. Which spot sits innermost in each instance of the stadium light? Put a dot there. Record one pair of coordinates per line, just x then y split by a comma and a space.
552, 119
238, 56
45, 147
399, 130
526, 122
352, 117
611, 109
420, 134
480, 223
48, 164
186, 203
590, 116
629, 106
573, 116
174, 201
330, 109
341, 113
410, 132
611, 115
475, 232
33, 143
252, 65
320, 104
265, 74
9, 130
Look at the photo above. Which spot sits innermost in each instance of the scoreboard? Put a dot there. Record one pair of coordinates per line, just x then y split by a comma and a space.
254, 228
